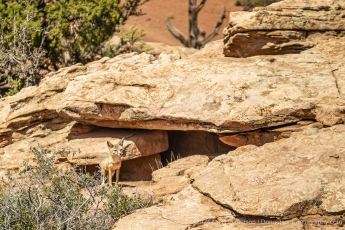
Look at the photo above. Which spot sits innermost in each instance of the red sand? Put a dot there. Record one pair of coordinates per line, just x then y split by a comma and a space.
156, 11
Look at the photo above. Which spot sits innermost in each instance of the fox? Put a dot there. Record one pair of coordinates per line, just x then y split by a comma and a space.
112, 163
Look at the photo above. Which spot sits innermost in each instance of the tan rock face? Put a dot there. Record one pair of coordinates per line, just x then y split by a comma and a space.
184, 144
292, 177
181, 167
261, 137
86, 146
282, 27
218, 94
93, 148
139, 169
183, 209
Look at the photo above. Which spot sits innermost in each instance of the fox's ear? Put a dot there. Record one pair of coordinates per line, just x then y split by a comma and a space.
121, 141
126, 146
110, 145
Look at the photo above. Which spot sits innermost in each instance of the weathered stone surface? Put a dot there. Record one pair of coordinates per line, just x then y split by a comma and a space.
301, 175
174, 52
237, 225
222, 94
93, 147
282, 27
266, 43
181, 210
184, 144
139, 169
180, 166
170, 179
86, 144
261, 137
158, 190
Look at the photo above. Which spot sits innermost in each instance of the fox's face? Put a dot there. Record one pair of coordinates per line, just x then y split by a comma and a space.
118, 148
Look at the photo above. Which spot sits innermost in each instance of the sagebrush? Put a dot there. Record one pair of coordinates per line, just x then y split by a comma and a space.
48, 198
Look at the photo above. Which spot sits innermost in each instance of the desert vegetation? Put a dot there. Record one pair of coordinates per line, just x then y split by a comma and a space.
196, 37
40, 36
45, 197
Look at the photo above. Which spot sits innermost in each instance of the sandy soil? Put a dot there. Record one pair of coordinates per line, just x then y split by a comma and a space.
156, 11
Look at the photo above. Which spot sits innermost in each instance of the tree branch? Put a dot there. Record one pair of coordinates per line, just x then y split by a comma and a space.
200, 6
215, 31
176, 33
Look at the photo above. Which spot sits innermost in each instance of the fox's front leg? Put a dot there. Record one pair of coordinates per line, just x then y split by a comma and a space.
103, 177
110, 176
117, 175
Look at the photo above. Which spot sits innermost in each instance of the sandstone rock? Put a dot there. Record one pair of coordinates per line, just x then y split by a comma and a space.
184, 144
86, 146
301, 175
170, 179
228, 95
93, 148
180, 166
282, 27
181, 210
139, 169
157, 190
269, 225
176, 52
261, 137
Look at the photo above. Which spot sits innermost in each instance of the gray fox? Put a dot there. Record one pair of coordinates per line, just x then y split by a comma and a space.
112, 163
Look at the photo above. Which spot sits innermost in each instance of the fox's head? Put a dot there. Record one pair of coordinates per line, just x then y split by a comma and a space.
118, 148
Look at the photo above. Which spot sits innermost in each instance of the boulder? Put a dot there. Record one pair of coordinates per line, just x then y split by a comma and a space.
181, 166
224, 95
263, 136
298, 176
92, 147
248, 225
282, 27
84, 145
139, 169
182, 210
156, 191
170, 179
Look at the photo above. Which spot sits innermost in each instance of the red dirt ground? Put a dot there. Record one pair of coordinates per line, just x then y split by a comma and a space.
156, 11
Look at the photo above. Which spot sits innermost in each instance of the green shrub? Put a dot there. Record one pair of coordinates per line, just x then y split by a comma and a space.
47, 34
250, 4
129, 38
48, 198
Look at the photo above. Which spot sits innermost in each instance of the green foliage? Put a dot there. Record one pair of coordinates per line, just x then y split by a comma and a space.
129, 38
16, 86
171, 16
48, 198
75, 26
250, 4
129, 41
50, 34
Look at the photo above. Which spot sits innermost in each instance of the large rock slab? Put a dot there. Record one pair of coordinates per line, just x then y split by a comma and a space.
238, 225
301, 175
181, 167
223, 95
84, 145
182, 210
93, 147
261, 137
282, 27
170, 179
